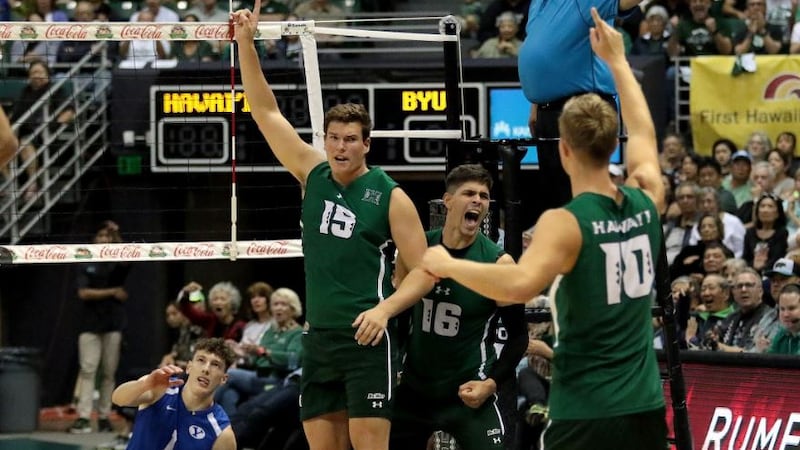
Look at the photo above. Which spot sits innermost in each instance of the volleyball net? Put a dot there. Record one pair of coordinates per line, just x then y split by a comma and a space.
167, 147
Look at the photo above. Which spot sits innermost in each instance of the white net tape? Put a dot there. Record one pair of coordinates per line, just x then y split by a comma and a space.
185, 31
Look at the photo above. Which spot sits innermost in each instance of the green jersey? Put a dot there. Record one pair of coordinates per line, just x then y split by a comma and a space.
347, 245
604, 363
452, 331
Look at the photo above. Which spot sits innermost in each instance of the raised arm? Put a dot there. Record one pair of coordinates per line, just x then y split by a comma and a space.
641, 151
8, 141
295, 155
147, 389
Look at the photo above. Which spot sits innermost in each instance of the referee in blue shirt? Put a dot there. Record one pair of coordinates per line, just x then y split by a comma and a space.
556, 62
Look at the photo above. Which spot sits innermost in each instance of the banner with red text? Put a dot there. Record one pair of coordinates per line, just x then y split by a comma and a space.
734, 407
727, 106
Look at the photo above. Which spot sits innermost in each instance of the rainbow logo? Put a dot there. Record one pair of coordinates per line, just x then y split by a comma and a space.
784, 86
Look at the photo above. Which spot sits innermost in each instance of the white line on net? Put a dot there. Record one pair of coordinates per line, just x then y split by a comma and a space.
137, 251
187, 31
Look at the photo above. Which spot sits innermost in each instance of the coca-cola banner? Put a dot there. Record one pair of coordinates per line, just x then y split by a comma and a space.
741, 407
125, 31
162, 251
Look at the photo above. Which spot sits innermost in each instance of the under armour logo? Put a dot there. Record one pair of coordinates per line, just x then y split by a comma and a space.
497, 440
377, 404
197, 432
442, 290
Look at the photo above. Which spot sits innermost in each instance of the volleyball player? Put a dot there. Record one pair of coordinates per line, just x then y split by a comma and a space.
606, 391
450, 374
353, 216
177, 415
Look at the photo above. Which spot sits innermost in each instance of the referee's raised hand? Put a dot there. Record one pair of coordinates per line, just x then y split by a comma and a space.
606, 41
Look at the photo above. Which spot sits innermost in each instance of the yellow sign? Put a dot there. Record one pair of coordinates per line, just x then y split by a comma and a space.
424, 100
727, 106
201, 102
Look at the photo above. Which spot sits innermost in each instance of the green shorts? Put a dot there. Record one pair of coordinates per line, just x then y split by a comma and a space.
416, 416
640, 431
339, 374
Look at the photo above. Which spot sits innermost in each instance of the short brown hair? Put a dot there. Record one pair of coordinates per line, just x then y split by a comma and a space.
349, 113
467, 172
589, 125
260, 289
217, 347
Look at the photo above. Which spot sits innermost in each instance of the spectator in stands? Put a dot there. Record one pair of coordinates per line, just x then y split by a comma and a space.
670, 210
754, 37
722, 150
794, 41
208, 11
224, 301
691, 259
488, 25
783, 184
689, 166
787, 341
277, 354
260, 322
737, 333
732, 267
49, 12
8, 141
792, 208
709, 174
673, 149
470, 14
274, 11
678, 231
142, 51
195, 50
784, 271
73, 51
738, 181
733, 228
655, 41
534, 379
714, 257
506, 44
319, 10
781, 16
101, 290
270, 418
763, 177
715, 297
159, 13
767, 240
700, 34
758, 145
186, 335
38, 87
25, 51
786, 143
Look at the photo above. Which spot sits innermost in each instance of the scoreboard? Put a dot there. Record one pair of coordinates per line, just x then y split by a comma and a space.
191, 125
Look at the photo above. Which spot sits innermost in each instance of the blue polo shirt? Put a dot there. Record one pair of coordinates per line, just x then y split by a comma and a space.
556, 60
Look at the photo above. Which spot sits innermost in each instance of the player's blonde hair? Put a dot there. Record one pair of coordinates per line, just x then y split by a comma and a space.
589, 125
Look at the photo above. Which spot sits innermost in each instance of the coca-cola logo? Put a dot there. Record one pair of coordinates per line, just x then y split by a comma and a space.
272, 248
193, 251
5, 31
66, 32
140, 32
120, 252
46, 253
212, 32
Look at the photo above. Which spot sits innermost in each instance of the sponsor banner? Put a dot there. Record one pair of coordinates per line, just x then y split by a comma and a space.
734, 407
723, 105
164, 251
127, 31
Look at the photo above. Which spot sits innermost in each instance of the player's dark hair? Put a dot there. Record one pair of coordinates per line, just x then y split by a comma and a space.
217, 347
467, 172
349, 113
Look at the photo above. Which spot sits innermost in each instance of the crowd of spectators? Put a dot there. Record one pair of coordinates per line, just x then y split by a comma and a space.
732, 241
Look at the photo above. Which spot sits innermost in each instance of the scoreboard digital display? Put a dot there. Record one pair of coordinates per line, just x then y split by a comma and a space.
191, 125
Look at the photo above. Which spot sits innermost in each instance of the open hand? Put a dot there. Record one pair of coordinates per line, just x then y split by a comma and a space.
371, 326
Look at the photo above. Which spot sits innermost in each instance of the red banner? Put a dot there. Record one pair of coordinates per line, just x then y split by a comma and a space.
747, 408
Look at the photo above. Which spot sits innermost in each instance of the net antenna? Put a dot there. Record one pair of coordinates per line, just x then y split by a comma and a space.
188, 31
